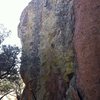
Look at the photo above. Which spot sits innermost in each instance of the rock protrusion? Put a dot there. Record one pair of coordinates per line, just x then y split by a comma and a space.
46, 31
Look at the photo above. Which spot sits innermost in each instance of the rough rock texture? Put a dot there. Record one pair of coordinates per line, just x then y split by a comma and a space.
46, 32
87, 39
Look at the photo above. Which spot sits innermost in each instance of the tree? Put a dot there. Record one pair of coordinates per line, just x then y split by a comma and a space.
9, 61
4, 33
10, 79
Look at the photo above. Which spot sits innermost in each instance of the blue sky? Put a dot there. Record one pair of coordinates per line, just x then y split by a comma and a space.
10, 11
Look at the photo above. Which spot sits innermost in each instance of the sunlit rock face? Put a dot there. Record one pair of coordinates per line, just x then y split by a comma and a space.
46, 31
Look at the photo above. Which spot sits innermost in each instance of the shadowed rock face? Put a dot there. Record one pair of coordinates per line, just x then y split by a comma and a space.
46, 32
87, 39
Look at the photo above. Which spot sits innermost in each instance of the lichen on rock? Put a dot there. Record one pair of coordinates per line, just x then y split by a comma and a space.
46, 31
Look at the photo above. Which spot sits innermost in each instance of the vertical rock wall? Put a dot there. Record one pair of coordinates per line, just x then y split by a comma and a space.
46, 32
87, 39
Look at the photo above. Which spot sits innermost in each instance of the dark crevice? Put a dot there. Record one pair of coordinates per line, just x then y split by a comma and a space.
79, 95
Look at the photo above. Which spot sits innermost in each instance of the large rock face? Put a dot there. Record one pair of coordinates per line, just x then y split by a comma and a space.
87, 39
46, 32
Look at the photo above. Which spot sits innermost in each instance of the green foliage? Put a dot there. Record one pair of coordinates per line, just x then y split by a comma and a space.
8, 61
5, 85
10, 79
9, 70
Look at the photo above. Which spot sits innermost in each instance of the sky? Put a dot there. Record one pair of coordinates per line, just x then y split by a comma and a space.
10, 11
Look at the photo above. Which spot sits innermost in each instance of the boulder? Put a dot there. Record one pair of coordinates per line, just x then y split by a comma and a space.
46, 32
